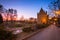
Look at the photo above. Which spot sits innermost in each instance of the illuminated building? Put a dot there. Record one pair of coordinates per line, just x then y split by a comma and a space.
42, 17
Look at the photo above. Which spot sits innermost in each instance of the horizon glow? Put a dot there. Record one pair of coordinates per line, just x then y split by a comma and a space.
26, 8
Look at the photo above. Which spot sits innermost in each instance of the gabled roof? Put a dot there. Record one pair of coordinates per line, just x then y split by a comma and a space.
42, 11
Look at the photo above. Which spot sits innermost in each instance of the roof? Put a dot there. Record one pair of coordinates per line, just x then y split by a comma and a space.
42, 11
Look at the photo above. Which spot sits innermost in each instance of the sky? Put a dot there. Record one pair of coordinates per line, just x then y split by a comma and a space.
26, 8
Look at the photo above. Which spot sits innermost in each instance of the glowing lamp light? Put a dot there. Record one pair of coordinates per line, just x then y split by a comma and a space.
57, 12
55, 19
50, 17
43, 20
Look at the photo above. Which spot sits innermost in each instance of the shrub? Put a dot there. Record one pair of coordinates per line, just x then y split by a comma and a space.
18, 25
5, 35
39, 26
28, 29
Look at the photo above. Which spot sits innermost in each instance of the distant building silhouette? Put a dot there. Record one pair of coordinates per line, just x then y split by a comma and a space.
32, 20
42, 17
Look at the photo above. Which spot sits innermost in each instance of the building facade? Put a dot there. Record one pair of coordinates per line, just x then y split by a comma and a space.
42, 17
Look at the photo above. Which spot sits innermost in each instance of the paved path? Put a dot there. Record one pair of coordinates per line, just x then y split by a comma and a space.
50, 33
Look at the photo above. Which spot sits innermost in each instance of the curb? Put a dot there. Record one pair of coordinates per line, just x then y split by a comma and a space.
28, 36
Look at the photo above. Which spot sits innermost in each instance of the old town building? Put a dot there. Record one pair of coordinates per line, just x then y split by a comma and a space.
42, 17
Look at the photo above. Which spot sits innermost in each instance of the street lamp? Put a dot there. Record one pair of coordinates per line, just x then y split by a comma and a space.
57, 12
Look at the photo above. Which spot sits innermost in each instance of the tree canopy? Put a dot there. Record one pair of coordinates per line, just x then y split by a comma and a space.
54, 5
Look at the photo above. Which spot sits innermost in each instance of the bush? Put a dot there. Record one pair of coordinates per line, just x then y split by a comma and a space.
18, 25
39, 26
4, 35
27, 29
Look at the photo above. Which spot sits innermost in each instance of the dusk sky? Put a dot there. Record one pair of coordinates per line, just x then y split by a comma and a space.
26, 8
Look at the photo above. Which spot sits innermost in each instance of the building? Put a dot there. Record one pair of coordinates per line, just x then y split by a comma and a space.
32, 20
42, 17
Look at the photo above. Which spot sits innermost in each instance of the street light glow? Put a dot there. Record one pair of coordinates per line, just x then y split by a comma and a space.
57, 12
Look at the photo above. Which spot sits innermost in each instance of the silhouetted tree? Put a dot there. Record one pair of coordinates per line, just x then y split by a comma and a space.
12, 13
1, 7
3, 11
1, 19
54, 5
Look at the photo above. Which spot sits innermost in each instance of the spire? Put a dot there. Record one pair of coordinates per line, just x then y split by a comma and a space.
41, 10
